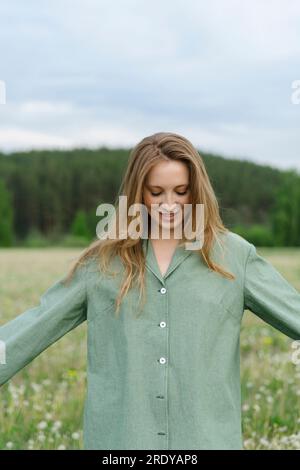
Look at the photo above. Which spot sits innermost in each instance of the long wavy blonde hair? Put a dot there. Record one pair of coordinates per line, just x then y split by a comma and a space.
147, 153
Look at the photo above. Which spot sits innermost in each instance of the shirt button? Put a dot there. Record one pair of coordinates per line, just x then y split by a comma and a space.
163, 290
162, 324
162, 360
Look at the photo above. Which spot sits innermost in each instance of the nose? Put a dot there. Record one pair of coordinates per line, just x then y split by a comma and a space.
168, 202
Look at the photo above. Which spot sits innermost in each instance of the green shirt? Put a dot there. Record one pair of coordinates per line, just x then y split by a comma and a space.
169, 378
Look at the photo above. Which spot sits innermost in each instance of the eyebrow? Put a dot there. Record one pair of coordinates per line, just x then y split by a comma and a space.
178, 186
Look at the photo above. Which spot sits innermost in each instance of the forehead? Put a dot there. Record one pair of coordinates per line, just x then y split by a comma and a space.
166, 172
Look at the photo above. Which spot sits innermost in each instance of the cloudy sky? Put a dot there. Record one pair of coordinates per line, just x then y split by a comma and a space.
94, 72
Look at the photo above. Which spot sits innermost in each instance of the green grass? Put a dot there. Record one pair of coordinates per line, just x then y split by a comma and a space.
41, 407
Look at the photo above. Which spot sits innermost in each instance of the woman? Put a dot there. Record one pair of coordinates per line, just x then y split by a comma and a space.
163, 321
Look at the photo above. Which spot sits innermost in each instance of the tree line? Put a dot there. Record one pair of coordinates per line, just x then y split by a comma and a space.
51, 196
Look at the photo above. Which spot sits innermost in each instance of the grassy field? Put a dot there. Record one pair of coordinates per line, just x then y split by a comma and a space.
41, 407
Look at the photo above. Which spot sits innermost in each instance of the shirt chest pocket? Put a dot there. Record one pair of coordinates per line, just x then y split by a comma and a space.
227, 310
206, 307
218, 311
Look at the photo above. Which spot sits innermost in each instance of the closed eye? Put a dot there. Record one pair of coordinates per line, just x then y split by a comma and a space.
158, 194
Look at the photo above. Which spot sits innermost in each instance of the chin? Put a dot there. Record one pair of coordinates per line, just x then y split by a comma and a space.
165, 224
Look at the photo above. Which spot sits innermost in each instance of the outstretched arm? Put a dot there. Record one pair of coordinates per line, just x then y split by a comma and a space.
61, 308
270, 296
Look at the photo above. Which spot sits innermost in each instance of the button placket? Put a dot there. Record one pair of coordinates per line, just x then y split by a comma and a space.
151, 264
163, 362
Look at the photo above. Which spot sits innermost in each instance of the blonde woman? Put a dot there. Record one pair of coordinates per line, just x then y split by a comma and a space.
163, 321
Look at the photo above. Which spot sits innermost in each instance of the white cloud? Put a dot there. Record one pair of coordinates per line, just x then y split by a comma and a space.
17, 139
38, 108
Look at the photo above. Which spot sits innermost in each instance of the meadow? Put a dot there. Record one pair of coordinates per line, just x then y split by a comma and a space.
41, 407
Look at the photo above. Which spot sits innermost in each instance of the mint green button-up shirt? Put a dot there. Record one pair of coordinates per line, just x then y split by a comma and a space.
169, 378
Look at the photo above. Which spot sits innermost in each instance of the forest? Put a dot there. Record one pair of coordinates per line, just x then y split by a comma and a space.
49, 197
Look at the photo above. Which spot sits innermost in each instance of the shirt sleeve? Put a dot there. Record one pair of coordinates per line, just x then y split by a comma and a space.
270, 296
61, 308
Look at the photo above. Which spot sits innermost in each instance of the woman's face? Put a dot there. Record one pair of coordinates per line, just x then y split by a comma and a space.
167, 184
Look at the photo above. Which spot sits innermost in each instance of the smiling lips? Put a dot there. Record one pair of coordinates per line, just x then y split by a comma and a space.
168, 215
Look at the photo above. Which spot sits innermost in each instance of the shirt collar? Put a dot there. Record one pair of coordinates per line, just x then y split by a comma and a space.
179, 255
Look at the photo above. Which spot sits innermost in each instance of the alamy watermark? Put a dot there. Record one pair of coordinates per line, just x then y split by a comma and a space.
170, 220
295, 96
2, 92
296, 354
2, 352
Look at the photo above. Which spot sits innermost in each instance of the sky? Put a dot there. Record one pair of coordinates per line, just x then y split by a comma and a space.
92, 73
